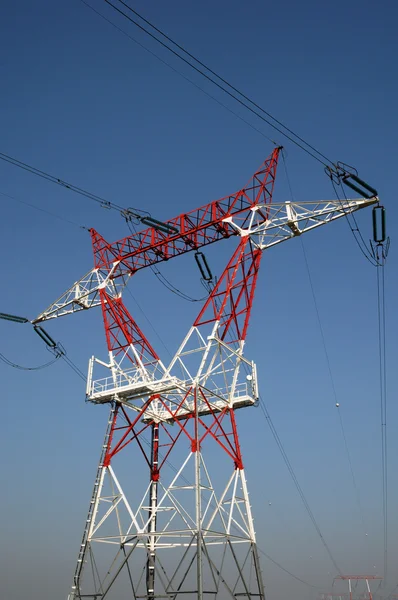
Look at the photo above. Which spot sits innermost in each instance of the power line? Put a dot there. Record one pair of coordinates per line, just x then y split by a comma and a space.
168, 65
326, 353
141, 215
58, 181
221, 87
356, 232
136, 212
288, 464
56, 348
23, 368
381, 318
378, 260
74, 367
220, 78
44, 210
310, 585
392, 591
224, 80
66, 358
377, 257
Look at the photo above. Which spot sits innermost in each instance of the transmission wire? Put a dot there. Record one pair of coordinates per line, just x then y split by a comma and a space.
326, 353
69, 186
333, 387
74, 367
288, 464
381, 317
310, 585
214, 82
23, 368
224, 80
378, 262
355, 229
59, 352
226, 91
130, 37
44, 210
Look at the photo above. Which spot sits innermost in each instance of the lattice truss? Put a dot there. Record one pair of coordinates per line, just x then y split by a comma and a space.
170, 515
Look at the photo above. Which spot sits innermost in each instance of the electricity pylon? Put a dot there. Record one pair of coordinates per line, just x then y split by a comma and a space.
366, 578
333, 596
186, 531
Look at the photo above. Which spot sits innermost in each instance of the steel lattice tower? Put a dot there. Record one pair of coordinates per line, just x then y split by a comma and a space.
366, 578
186, 531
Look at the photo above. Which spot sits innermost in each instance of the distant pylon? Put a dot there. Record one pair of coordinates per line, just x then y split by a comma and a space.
366, 578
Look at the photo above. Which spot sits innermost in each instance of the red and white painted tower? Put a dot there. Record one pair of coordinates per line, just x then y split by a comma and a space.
366, 578
170, 514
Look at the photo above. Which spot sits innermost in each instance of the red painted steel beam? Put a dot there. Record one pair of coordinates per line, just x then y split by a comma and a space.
197, 228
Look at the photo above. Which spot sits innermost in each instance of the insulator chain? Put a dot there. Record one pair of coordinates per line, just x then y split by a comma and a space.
341, 173
55, 347
380, 244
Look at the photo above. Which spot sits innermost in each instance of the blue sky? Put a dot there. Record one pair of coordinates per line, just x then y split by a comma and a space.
85, 103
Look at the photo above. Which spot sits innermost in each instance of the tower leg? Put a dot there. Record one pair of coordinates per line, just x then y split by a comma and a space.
93, 507
198, 499
150, 567
188, 534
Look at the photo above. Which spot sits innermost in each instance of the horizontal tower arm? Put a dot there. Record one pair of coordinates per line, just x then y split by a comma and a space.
291, 219
192, 230
284, 221
116, 262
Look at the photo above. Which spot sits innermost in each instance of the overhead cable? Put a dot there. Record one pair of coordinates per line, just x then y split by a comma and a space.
311, 150
141, 215
288, 464
74, 367
326, 353
336, 171
377, 256
333, 387
224, 81
381, 318
56, 348
23, 368
58, 181
179, 73
44, 210
310, 585
356, 232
